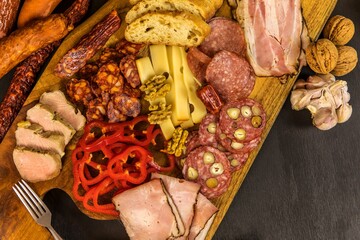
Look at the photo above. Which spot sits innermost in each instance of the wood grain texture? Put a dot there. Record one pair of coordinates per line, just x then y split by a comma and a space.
17, 223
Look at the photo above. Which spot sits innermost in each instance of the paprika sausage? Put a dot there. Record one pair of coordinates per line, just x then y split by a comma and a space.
23, 42
8, 12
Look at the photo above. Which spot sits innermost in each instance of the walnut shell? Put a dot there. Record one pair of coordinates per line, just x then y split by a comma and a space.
322, 56
339, 30
347, 61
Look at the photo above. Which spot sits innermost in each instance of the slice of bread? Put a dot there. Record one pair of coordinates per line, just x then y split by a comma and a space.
170, 28
133, 2
200, 8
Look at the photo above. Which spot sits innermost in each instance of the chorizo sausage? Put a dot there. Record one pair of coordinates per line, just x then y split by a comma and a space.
8, 11
88, 45
35, 9
20, 87
23, 42
25, 74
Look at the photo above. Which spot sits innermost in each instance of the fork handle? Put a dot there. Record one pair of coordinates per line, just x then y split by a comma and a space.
54, 233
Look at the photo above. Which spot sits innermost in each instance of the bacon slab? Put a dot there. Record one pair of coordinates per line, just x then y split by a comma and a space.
274, 34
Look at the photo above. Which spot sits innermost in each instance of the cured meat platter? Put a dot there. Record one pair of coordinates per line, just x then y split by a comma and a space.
271, 92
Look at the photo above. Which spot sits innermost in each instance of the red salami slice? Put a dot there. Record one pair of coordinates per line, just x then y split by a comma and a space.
231, 75
192, 142
237, 160
234, 146
207, 130
197, 62
225, 34
242, 120
210, 168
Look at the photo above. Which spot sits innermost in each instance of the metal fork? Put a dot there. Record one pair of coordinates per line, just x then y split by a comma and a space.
36, 207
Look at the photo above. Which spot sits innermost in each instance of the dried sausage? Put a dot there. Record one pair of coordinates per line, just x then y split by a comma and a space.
8, 13
242, 120
21, 43
210, 168
231, 75
207, 130
225, 34
197, 62
88, 45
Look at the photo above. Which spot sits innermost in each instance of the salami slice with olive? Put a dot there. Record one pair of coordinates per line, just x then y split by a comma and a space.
210, 168
243, 120
207, 130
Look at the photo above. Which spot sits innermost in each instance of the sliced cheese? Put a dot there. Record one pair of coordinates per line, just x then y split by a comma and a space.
145, 69
159, 58
187, 124
199, 109
167, 128
181, 104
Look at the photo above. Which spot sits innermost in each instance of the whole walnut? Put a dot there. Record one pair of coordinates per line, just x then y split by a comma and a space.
339, 30
347, 61
322, 56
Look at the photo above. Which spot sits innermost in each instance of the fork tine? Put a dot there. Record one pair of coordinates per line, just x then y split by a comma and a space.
24, 199
34, 197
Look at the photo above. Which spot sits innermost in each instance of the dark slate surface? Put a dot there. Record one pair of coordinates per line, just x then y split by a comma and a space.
304, 184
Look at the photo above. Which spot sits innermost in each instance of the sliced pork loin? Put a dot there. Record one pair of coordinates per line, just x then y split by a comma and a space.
50, 121
148, 212
184, 193
33, 135
36, 166
205, 213
57, 101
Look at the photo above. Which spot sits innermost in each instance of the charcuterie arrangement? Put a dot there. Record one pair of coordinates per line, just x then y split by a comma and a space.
157, 122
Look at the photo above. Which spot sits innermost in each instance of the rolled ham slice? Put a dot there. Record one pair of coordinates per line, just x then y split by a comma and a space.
148, 212
184, 193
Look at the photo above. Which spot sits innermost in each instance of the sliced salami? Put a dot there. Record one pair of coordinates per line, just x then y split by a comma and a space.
231, 75
207, 130
242, 120
192, 142
210, 168
225, 34
234, 146
237, 160
198, 62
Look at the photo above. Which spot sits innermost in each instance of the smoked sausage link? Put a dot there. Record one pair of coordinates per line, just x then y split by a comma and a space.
8, 12
23, 42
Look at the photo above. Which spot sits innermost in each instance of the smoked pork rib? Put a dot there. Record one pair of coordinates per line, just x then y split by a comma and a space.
274, 35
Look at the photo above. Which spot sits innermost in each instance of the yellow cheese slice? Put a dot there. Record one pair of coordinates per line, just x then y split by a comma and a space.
199, 109
167, 128
181, 104
145, 69
159, 58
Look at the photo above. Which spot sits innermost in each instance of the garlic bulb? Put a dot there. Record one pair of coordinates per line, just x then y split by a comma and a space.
325, 97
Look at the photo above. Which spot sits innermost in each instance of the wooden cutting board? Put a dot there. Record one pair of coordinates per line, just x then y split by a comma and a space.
16, 223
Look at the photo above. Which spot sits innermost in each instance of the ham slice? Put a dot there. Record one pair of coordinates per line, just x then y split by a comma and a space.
184, 193
205, 213
274, 34
148, 212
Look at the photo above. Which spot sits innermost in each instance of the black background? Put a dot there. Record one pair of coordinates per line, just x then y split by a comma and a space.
304, 183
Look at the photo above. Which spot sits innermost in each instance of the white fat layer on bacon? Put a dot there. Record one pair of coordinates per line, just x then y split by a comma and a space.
205, 211
184, 193
273, 31
148, 212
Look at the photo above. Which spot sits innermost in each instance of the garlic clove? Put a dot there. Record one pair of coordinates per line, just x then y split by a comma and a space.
344, 112
325, 119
